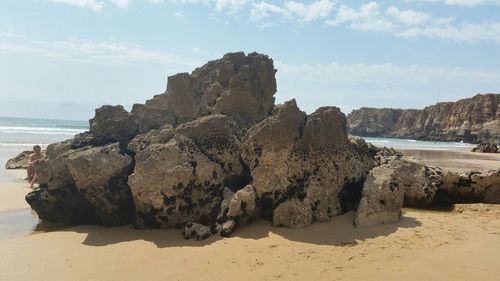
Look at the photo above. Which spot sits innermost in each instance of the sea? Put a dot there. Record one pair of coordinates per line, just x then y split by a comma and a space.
24, 133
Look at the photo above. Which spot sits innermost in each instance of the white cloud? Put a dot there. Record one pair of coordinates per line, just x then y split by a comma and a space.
464, 3
88, 51
179, 15
306, 13
317, 10
384, 73
471, 33
90, 4
263, 10
367, 18
408, 17
121, 3
231, 6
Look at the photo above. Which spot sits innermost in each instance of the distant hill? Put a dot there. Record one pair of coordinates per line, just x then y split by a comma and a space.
474, 120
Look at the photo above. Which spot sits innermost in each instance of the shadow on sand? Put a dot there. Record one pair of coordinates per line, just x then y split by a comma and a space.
338, 232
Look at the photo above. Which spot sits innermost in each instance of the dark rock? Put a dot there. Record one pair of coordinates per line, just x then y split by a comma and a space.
487, 148
100, 175
112, 124
175, 183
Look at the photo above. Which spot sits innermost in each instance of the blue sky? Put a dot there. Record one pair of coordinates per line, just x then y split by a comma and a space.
63, 58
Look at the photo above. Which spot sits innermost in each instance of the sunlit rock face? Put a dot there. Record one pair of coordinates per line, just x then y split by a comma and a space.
474, 120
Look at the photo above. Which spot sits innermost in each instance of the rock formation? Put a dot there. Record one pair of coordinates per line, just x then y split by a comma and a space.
210, 154
487, 148
471, 120
382, 199
214, 153
20, 161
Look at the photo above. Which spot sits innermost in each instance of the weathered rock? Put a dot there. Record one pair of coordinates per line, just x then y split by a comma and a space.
237, 85
487, 148
142, 141
293, 214
63, 205
175, 183
84, 185
20, 161
469, 187
112, 124
382, 200
307, 158
197, 231
426, 186
473, 120
238, 209
217, 136
100, 175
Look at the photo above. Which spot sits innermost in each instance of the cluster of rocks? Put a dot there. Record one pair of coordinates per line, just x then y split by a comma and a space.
487, 148
213, 153
472, 120
400, 182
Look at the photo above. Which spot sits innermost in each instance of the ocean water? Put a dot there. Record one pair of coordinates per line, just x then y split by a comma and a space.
419, 145
23, 133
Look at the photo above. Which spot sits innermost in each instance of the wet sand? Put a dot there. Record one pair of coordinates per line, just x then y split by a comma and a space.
463, 244
456, 160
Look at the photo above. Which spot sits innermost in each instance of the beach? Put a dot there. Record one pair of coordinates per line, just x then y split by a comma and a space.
459, 244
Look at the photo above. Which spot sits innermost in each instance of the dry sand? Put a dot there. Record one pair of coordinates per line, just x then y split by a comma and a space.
463, 244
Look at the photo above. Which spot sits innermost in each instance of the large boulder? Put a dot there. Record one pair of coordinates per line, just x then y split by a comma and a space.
112, 124
175, 183
57, 198
303, 162
83, 185
100, 175
382, 199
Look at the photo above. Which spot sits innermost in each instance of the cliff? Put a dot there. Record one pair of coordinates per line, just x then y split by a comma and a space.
472, 120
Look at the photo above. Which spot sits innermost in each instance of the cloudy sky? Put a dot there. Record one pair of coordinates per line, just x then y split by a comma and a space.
62, 58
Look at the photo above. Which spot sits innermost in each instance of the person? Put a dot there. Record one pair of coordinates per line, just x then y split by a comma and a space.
37, 155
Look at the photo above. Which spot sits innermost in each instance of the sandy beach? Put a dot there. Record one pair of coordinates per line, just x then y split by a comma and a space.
459, 244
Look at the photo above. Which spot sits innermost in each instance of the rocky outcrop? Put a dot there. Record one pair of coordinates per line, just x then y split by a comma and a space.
487, 148
20, 161
213, 153
426, 186
383, 196
237, 85
83, 184
300, 164
472, 120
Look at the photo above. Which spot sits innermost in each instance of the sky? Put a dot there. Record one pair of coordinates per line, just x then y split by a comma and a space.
63, 58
